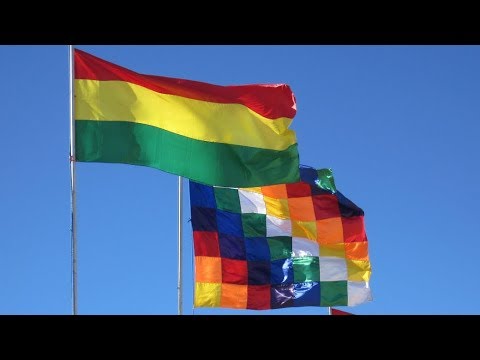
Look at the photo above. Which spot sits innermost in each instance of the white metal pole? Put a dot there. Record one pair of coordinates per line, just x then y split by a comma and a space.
180, 217
329, 310
72, 187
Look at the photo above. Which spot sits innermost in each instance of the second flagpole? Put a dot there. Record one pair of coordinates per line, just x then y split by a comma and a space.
180, 218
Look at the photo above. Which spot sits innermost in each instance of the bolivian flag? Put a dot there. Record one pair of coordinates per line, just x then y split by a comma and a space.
218, 135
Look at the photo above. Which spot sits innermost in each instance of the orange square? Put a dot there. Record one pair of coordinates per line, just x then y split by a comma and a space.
234, 296
208, 269
304, 229
275, 191
301, 208
277, 207
330, 231
357, 250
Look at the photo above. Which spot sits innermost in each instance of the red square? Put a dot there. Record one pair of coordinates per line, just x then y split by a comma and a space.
234, 271
325, 206
298, 189
353, 229
258, 297
206, 243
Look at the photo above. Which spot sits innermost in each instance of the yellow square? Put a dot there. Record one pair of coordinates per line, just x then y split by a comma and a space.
207, 294
234, 296
330, 231
208, 269
301, 209
333, 250
357, 250
304, 229
358, 270
253, 189
277, 207
275, 191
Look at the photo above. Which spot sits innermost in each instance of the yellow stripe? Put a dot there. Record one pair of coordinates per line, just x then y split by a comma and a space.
201, 120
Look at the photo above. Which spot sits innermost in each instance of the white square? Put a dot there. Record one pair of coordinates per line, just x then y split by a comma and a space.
333, 269
278, 227
304, 247
251, 202
358, 293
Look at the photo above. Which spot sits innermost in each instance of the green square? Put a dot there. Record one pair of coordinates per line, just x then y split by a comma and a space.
306, 269
280, 247
333, 293
227, 199
254, 225
325, 180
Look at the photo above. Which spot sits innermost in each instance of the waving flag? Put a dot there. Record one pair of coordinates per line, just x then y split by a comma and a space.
218, 135
300, 244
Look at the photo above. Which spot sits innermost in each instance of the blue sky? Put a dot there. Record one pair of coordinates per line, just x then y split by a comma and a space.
399, 126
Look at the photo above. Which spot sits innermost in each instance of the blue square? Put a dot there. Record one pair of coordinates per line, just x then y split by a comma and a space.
308, 174
306, 294
281, 296
257, 249
282, 271
231, 247
202, 195
258, 272
204, 219
229, 223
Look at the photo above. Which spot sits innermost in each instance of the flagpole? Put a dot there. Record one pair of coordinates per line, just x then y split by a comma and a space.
73, 199
180, 204
329, 310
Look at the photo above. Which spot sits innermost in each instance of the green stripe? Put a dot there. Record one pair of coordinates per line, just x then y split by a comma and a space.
201, 161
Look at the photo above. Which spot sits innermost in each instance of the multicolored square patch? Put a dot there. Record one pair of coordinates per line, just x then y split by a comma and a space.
300, 244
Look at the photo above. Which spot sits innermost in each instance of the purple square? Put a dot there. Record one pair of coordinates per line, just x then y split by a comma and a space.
231, 247
204, 219
281, 296
258, 272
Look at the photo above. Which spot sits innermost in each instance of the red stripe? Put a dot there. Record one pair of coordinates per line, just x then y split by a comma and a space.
270, 101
